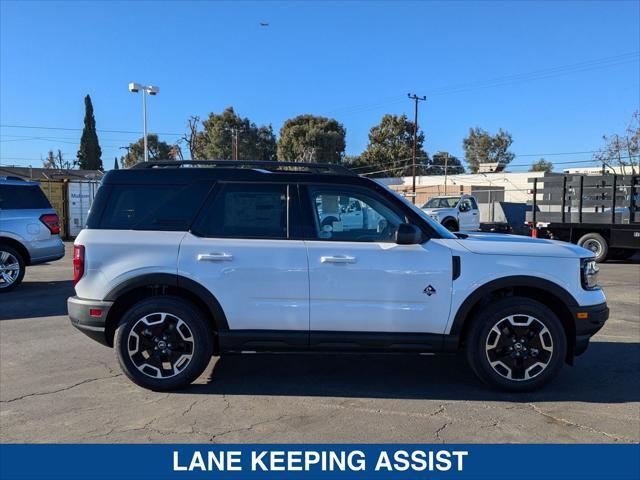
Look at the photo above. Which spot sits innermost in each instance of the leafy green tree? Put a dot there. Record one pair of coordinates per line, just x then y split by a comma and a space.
482, 147
441, 159
308, 138
158, 151
390, 149
116, 166
89, 153
541, 166
221, 132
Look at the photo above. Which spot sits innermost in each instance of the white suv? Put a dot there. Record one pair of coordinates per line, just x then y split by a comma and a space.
178, 264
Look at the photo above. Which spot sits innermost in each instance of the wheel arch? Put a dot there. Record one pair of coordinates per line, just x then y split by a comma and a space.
554, 296
160, 284
19, 247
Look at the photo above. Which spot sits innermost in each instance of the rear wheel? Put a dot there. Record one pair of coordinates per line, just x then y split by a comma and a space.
597, 244
516, 344
163, 343
12, 268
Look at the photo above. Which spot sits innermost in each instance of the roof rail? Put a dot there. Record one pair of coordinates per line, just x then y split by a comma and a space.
257, 164
11, 177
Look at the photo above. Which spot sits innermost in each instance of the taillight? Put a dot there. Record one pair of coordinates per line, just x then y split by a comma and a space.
50, 221
78, 263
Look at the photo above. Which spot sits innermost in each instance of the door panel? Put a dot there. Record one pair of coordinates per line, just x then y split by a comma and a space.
260, 284
379, 287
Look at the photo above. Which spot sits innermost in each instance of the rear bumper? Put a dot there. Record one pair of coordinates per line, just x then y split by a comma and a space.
596, 316
47, 251
84, 316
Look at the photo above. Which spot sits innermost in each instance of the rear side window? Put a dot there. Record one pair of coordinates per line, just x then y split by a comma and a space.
17, 197
152, 207
247, 211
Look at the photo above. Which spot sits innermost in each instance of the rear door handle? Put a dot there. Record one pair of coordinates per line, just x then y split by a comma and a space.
338, 259
215, 257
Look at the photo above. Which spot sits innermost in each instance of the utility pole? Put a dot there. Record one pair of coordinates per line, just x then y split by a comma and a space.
416, 99
235, 143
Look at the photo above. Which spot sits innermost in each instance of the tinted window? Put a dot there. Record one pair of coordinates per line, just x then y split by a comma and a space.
247, 211
152, 207
16, 197
348, 215
474, 205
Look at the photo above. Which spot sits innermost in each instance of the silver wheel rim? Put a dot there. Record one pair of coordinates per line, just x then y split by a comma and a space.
160, 345
594, 246
519, 347
9, 269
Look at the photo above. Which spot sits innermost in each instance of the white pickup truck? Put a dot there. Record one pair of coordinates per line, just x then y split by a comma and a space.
455, 213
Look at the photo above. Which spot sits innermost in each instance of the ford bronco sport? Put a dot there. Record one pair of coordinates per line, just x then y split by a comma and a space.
184, 260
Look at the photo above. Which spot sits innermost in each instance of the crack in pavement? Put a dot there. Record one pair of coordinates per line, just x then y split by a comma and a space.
440, 430
564, 421
64, 389
246, 429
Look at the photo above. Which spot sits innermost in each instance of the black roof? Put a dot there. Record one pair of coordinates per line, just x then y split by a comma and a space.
178, 173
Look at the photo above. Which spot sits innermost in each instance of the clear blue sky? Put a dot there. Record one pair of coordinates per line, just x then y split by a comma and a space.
351, 60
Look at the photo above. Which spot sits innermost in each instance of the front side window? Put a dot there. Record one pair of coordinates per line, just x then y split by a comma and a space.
352, 216
247, 211
465, 205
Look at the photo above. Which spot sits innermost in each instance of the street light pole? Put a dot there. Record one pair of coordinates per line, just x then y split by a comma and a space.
415, 98
144, 124
146, 89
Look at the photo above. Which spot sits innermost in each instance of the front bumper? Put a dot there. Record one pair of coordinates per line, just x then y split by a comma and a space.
588, 320
84, 316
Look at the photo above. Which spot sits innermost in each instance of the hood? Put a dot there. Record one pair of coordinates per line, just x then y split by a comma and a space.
501, 244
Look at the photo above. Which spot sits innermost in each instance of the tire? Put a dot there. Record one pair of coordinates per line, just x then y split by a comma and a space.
597, 244
189, 348
450, 225
328, 221
10, 278
491, 349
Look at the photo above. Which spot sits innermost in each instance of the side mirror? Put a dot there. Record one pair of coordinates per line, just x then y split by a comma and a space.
408, 234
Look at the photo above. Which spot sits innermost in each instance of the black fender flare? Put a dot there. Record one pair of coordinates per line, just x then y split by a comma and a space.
547, 286
178, 281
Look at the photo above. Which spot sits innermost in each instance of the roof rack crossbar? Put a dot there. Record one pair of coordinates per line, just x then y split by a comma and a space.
312, 167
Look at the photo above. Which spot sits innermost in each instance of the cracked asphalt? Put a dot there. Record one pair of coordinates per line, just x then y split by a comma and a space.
56, 385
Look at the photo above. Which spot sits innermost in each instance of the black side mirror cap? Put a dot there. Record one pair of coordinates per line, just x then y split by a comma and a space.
408, 234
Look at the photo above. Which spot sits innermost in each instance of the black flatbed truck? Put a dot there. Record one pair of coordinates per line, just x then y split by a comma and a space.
598, 212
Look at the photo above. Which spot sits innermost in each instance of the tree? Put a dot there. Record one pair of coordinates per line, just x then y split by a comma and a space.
158, 151
440, 160
308, 138
56, 161
541, 166
482, 147
222, 133
390, 149
115, 164
194, 139
89, 153
623, 150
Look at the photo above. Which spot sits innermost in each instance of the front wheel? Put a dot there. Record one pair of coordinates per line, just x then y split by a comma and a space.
11, 268
516, 344
163, 343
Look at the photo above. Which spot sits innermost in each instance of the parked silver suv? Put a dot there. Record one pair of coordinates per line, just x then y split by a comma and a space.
29, 230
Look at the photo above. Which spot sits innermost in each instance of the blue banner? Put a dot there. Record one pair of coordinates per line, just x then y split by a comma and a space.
340, 462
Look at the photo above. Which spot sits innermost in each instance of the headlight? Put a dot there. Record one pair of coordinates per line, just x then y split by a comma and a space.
589, 274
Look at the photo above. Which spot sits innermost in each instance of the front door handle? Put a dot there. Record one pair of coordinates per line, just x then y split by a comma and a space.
215, 257
338, 259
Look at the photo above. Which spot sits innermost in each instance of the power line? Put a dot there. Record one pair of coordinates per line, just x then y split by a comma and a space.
541, 74
80, 129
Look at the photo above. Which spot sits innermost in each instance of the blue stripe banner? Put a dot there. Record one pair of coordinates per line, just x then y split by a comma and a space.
343, 461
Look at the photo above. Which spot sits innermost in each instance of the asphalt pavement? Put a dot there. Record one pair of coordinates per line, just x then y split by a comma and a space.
57, 385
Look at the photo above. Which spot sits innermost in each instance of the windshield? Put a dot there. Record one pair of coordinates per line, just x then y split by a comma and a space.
443, 232
442, 202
